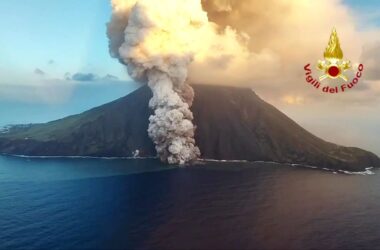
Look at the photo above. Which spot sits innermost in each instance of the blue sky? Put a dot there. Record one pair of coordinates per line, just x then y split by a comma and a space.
55, 37
69, 34
367, 11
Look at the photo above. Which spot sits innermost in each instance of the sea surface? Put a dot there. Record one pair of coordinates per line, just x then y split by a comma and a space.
142, 204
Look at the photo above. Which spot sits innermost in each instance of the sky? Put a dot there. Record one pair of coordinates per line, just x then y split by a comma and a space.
54, 61
55, 37
42, 43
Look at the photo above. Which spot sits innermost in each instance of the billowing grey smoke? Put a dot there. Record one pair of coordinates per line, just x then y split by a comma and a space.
171, 127
145, 49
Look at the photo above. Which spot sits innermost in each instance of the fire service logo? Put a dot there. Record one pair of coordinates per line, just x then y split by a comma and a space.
334, 70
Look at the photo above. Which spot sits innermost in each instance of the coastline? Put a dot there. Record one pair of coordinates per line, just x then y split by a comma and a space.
333, 171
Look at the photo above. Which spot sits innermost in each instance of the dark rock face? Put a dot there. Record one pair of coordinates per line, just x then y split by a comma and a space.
232, 124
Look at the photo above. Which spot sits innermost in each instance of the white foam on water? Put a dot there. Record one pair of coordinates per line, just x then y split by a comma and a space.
232, 161
334, 171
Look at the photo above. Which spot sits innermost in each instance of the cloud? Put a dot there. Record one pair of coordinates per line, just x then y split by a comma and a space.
84, 77
280, 37
110, 77
89, 77
291, 32
39, 72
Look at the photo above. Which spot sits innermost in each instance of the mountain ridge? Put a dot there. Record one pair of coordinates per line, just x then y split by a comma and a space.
232, 124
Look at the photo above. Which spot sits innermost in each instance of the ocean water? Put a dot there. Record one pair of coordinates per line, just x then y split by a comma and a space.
141, 204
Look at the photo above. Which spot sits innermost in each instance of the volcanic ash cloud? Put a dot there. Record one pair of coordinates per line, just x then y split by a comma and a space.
159, 42
156, 49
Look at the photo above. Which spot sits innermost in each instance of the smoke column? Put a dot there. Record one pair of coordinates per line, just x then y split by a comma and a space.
163, 44
155, 51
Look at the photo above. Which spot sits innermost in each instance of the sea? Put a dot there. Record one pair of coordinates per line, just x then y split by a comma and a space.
89, 203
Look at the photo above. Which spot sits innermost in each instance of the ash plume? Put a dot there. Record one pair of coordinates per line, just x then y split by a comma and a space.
220, 53
155, 52
163, 43
158, 41
169, 43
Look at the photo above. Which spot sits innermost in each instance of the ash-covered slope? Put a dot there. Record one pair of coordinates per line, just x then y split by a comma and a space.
232, 124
